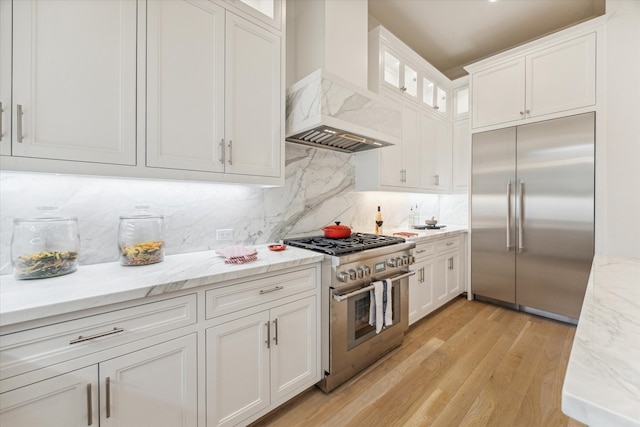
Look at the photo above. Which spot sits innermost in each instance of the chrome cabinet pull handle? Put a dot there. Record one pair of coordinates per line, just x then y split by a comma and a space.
509, 215
420, 251
403, 89
277, 288
89, 406
522, 113
19, 114
98, 335
222, 151
230, 152
1, 116
521, 217
268, 341
450, 243
108, 403
275, 338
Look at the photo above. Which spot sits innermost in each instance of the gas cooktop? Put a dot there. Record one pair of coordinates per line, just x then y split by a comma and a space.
357, 242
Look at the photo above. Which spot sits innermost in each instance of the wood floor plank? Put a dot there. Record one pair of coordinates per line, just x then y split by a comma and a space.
468, 364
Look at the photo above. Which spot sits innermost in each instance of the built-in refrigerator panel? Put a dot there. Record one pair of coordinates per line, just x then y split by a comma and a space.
493, 201
555, 211
532, 214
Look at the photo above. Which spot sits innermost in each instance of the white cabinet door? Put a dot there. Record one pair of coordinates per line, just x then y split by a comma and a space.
411, 145
157, 386
562, 77
435, 152
254, 99
461, 147
294, 349
68, 400
498, 94
440, 274
454, 275
237, 369
74, 80
185, 101
421, 292
5, 78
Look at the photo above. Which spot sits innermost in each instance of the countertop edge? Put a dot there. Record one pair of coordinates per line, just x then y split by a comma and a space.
27, 300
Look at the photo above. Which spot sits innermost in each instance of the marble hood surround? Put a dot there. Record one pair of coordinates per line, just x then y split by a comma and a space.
326, 111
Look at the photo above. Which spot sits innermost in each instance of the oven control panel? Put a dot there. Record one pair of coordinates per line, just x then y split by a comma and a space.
374, 267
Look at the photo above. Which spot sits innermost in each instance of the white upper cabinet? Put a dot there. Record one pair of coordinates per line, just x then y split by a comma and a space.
171, 89
555, 79
185, 116
435, 152
267, 11
5, 78
223, 115
74, 80
405, 76
422, 161
253, 99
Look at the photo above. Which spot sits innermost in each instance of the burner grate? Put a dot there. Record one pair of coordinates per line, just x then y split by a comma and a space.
357, 242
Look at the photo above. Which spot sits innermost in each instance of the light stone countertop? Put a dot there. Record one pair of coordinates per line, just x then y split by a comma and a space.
428, 235
602, 382
102, 284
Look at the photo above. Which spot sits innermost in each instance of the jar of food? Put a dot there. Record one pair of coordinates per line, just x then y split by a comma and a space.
45, 246
141, 237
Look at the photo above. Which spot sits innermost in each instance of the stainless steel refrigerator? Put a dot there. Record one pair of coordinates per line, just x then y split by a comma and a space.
532, 214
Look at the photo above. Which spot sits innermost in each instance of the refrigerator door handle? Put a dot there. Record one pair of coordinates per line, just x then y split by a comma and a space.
509, 245
521, 247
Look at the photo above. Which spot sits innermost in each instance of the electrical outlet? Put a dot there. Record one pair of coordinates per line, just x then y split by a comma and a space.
226, 234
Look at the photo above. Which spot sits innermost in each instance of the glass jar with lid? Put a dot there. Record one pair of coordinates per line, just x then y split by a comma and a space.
44, 246
141, 237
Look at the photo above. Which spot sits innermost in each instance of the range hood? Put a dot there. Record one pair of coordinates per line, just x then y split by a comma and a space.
330, 106
326, 111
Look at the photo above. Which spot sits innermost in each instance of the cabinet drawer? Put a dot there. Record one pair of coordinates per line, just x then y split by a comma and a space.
36, 348
448, 244
424, 250
228, 299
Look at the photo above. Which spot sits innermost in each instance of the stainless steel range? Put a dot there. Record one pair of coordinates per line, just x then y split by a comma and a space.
349, 342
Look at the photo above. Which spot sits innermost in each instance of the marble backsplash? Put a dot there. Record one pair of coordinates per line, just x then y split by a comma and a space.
318, 190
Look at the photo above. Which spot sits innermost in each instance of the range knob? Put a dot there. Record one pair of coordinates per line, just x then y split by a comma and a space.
392, 262
412, 259
352, 274
400, 261
343, 276
363, 271
405, 260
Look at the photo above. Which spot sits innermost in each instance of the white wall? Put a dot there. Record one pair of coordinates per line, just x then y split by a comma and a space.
618, 186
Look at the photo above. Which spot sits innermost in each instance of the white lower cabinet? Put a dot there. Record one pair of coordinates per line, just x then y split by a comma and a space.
421, 297
155, 386
68, 400
257, 361
439, 277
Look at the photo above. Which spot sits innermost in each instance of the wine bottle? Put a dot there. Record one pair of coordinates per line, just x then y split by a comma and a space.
379, 221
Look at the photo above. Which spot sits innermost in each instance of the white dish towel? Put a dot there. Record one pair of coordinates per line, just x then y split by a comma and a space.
381, 305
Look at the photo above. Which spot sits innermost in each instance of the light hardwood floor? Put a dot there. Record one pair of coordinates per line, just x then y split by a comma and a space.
468, 364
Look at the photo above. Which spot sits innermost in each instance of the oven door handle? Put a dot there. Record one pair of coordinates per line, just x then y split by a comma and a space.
368, 288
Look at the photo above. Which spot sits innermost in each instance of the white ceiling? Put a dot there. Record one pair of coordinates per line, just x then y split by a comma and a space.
452, 33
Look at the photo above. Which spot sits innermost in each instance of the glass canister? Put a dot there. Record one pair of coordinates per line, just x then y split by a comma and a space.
45, 246
141, 237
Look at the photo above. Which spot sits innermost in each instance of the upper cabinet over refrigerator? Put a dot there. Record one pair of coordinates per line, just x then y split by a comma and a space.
558, 78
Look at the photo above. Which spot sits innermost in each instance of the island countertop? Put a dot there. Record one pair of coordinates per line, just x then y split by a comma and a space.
602, 382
